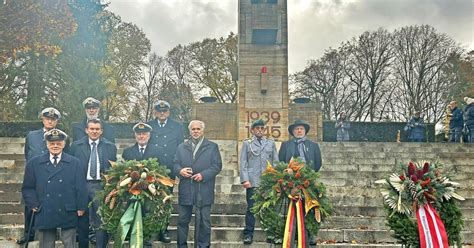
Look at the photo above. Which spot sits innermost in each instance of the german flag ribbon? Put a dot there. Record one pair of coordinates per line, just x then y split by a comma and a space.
295, 208
430, 228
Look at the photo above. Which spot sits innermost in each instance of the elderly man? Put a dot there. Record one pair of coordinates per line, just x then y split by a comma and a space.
301, 147
254, 155
94, 153
92, 109
35, 145
141, 150
54, 190
197, 162
456, 122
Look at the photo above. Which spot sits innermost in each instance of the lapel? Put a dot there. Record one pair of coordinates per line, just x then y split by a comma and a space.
60, 167
204, 146
86, 148
291, 149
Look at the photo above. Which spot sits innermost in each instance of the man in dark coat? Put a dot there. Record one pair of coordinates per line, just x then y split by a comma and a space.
35, 145
469, 117
54, 188
197, 162
166, 134
92, 108
301, 147
416, 128
141, 150
94, 153
456, 123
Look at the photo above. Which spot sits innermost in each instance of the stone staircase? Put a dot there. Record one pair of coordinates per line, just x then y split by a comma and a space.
349, 171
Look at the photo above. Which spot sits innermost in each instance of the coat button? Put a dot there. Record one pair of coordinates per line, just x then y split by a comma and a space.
164, 145
59, 195
164, 136
166, 155
49, 181
59, 210
47, 195
60, 180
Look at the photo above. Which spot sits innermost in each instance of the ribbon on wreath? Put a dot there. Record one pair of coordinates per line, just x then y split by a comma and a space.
296, 205
430, 228
132, 221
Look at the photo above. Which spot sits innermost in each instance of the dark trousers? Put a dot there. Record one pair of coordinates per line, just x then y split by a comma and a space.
28, 215
202, 229
455, 134
249, 217
91, 217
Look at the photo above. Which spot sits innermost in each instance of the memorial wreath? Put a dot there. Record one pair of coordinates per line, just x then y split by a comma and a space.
421, 206
290, 195
135, 200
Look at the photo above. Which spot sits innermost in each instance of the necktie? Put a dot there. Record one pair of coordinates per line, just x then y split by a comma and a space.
55, 162
142, 151
93, 161
300, 143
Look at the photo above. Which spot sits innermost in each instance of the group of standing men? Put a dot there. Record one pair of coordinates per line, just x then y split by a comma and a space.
61, 181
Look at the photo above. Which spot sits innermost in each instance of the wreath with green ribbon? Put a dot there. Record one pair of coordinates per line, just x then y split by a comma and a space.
282, 184
135, 201
416, 185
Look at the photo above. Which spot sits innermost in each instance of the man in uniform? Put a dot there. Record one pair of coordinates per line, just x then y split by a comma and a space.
303, 148
35, 145
166, 135
94, 153
92, 108
197, 162
253, 160
141, 150
54, 189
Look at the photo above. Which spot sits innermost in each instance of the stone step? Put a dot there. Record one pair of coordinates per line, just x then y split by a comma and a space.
234, 234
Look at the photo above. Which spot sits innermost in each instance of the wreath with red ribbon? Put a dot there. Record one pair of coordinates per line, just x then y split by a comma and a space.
421, 206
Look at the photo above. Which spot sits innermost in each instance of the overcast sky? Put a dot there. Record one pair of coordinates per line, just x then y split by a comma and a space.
314, 25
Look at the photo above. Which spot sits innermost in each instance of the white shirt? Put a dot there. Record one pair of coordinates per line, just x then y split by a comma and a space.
162, 124
98, 162
140, 147
51, 158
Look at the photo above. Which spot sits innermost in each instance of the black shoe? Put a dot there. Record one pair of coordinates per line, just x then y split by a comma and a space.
248, 240
147, 244
22, 240
165, 237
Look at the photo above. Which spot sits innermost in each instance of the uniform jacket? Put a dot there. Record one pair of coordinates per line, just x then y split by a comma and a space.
35, 144
166, 139
57, 191
469, 113
81, 149
208, 162
79, 131
456, 119
289, 149
416, 128
253, 159
133, 153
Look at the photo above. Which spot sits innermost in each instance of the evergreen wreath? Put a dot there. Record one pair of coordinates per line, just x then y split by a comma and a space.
145, 181
415, 185
281, 182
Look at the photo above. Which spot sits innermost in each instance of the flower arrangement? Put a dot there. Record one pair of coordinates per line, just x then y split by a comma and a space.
417, 197
279, 187
135, 200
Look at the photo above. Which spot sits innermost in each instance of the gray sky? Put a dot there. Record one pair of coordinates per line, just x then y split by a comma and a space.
314, 25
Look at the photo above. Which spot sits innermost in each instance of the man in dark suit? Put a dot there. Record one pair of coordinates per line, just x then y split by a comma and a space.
35, 145
55, 191
141, 150
197, 162
94, 153
301, 147
92, 108
166, 135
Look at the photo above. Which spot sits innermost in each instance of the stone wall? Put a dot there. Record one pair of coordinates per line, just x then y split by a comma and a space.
220, 119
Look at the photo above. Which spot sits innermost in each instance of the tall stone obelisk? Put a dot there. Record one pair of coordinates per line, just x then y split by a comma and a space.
263, 66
